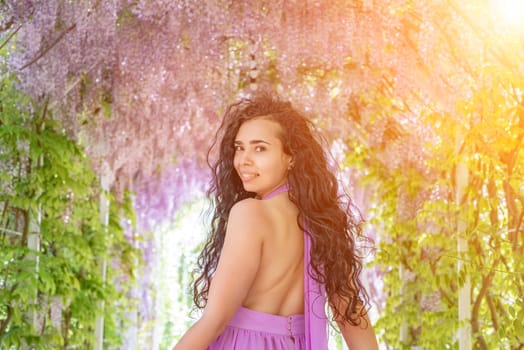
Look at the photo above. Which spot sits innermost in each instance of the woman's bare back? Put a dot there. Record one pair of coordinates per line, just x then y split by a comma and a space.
278, 287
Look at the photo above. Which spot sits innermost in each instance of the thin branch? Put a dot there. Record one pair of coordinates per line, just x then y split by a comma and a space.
516, 280
501, 310
486, 282
25, 233
446, 296
49, 47
10, 36
4, 211
65, 326
519, 225
509, 271
40, 126
7, 25
443, 294
11, 232
5, 322
492, 312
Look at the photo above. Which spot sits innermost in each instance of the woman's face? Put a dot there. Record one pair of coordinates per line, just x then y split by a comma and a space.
259, 159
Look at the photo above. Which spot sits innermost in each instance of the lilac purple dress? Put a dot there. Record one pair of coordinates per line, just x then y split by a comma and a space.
250, 329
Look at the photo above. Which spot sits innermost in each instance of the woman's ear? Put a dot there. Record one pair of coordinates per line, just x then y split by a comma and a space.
291, 164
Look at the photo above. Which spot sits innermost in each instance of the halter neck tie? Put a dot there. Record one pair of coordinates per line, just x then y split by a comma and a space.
278, 190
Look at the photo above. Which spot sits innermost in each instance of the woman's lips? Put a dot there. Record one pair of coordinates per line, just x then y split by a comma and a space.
248, 176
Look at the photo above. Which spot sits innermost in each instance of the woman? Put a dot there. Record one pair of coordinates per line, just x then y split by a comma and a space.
280, 243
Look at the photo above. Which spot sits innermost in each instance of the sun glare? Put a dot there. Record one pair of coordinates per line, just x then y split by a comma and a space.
510, 12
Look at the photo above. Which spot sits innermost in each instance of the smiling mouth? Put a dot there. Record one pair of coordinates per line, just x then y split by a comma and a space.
247, 176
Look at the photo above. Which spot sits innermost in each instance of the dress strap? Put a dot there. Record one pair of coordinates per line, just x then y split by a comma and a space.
278, 190
314, 304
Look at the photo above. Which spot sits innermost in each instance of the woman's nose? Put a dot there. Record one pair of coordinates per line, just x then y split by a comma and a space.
246, 157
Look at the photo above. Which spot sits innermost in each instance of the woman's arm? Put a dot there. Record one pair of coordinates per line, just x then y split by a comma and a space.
361, 337
235, 273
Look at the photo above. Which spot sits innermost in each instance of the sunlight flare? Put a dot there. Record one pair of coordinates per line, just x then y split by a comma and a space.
510, 12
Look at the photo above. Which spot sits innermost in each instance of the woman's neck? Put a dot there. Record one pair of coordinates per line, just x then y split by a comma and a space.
276, 191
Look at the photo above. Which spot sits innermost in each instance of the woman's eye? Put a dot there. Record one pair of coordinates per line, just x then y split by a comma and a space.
260, 148
238, 148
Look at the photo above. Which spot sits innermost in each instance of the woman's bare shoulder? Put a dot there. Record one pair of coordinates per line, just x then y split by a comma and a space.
250, 212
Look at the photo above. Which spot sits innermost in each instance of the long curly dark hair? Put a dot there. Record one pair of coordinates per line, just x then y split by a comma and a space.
313, 189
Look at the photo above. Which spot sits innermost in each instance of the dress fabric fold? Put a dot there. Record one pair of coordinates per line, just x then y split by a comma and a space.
316, 329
